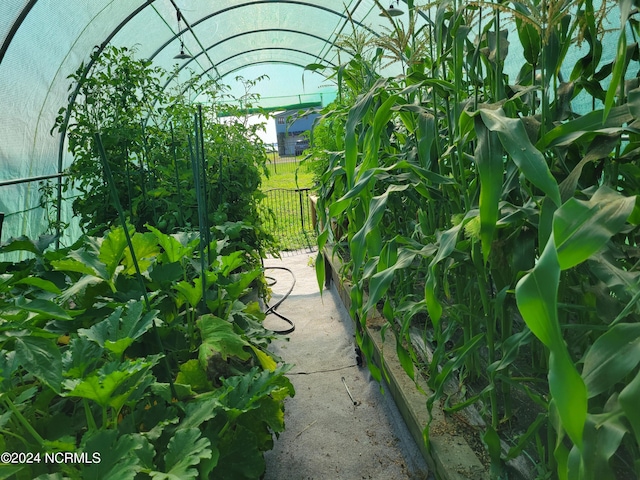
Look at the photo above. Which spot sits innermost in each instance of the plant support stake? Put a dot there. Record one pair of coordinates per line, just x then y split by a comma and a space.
114, 195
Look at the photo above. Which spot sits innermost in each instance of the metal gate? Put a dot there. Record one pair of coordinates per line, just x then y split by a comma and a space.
292, 217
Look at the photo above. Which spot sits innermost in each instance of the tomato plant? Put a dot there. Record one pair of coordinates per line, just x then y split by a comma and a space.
167, 155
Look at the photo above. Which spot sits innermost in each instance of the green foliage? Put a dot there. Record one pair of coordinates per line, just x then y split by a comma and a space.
156, 390
324, 139
487, 215
168, 157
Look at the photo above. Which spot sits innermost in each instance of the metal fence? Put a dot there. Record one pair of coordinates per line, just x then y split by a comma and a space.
277, 164
292, 218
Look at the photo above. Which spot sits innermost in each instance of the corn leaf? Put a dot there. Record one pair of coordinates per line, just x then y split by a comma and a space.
603, 435
380, 120
537, 298
582, 228
488, 157
405, 358
529, 160
356, 117
629, 399
377, 209
380, 282
618, 72
446, 244
611, 357
320, 269
530, 41
585, 125
569, 392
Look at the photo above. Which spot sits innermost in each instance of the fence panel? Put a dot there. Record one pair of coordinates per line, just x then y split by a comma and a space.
292, 221
284, 164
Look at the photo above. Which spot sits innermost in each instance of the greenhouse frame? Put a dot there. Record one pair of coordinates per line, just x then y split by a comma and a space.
475, 201
43, 43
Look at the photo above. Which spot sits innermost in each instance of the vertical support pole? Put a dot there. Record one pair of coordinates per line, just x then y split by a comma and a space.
203, 174
177, 175
301, 209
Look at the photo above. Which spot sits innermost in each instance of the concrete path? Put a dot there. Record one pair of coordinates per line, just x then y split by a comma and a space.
327, 436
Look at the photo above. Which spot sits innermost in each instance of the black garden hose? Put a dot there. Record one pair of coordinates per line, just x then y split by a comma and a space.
273, 308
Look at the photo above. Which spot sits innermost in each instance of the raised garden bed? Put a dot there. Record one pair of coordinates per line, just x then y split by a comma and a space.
448, 453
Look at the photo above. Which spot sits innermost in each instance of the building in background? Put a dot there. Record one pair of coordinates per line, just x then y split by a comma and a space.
290, 131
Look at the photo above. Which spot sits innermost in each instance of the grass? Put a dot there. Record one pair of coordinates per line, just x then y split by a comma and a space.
286, 173
283, 175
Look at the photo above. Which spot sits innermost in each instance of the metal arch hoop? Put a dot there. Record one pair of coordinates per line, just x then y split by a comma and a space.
261, 62
218, 43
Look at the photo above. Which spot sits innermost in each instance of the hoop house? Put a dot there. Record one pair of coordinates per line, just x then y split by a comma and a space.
476, 166
43, 42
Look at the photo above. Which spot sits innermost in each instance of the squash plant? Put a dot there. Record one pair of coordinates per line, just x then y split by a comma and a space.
120, 354
489, 217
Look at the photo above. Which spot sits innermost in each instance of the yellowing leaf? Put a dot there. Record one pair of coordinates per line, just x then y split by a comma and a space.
265, 360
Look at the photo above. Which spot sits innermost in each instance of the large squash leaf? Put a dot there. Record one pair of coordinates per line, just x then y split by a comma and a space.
113, 383
112, 250
119, 455
118, 331
41, 357
219, 338
186, 449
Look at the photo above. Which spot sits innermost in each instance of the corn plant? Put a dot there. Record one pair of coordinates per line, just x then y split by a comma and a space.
487, 215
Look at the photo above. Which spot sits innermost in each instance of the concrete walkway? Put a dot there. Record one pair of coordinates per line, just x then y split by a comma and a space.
327, 436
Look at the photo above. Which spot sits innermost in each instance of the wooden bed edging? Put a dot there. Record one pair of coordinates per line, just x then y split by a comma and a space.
448, 455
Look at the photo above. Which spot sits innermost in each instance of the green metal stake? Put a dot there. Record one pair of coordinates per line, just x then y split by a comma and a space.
123, 221
203, 175
177, 174
196, 179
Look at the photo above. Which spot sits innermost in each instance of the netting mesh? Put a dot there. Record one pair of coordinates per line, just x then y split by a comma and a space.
43, 41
